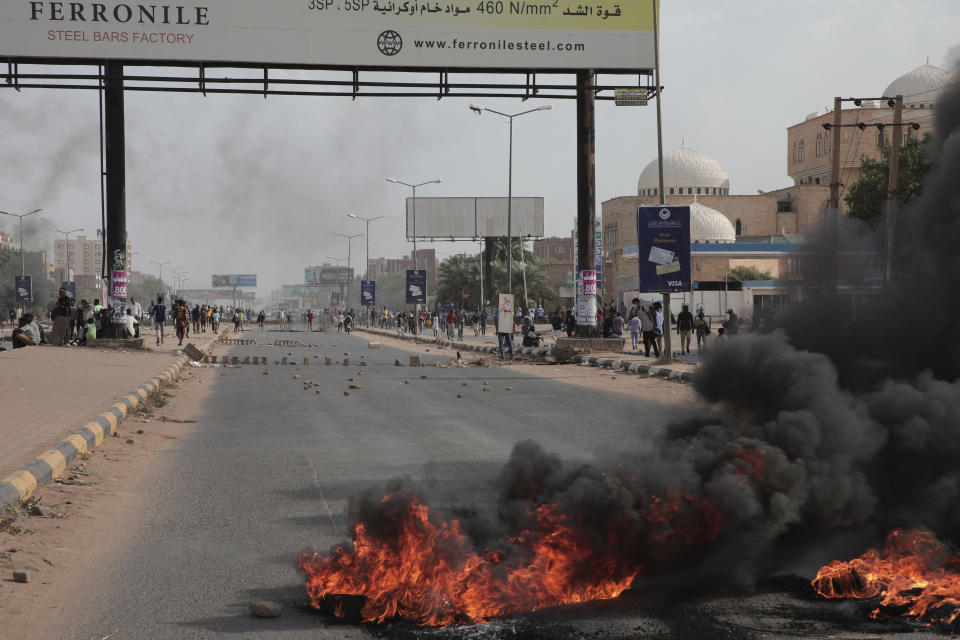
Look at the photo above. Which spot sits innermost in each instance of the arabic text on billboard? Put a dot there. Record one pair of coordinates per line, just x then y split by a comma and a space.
416, 286
235, 280
663, 241
564, 34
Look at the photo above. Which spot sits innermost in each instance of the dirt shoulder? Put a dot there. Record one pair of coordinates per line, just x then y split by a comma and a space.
61, 533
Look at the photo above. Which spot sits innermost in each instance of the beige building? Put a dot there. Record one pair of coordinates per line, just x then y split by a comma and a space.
777, 217
809, 144
85, 257
6, 241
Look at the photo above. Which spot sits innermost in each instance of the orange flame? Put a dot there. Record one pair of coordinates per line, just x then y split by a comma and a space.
428, 573
914, 573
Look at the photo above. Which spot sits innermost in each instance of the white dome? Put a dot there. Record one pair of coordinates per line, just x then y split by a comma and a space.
684, 168
709, 225
922, 86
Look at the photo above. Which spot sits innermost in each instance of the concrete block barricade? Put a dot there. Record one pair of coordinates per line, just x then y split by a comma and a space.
20, 484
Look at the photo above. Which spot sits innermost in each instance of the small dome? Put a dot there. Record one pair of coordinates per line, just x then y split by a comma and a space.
684, 168
709, 225
922, 86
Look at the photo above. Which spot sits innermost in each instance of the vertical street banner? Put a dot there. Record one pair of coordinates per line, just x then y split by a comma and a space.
505, 313
368, 292
24, 287
586, 306
118, 284
335, 299
416, 286
663, 242
70, 287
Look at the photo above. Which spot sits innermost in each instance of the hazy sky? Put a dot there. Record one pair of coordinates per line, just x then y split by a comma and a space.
239, 184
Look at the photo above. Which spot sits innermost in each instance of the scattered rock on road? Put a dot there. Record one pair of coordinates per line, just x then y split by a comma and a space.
265, 609
21, 576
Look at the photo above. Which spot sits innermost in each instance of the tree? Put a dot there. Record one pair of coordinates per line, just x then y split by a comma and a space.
458, 279
866, 198
44, 289
744, 272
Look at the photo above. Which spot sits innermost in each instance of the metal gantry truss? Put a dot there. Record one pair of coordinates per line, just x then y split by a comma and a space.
288, 80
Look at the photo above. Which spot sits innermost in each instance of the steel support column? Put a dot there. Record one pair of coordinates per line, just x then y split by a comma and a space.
586, 193
116, 231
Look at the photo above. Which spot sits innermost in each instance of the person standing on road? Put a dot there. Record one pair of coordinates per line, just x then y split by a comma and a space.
505, 338
571, 323
309, 320
159, 318
181, 319
339, 321
658, 328
635, 331
732, 324
261, 317
684, 328
648, 329
702, 326
215, 319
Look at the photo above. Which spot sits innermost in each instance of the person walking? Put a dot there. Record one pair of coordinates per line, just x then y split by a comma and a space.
702, 326
732, 324
159, 318
648, 325
684, 328
505, 338
634, 326
181, 320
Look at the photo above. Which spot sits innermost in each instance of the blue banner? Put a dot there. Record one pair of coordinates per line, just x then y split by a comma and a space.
368, 292
24, 287
416, 286
70, 287
663, 244
445, 306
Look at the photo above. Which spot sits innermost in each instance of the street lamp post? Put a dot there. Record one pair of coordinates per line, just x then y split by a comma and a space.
66, 240
21, 216
479, 109
416, 265
338, 272
160, 264
366, 271
349, 251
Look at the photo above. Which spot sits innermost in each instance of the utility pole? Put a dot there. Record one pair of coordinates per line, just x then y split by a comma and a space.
586, 182
831, 223
667, 342
892, 189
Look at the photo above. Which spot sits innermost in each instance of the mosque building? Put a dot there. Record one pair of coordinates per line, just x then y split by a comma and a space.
761, 230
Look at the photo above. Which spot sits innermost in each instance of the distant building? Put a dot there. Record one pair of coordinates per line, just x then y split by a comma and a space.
85, 255
554, 248
6, 241
426, 259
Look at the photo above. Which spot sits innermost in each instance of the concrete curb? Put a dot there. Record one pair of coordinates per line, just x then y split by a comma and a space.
20, 484
626, 366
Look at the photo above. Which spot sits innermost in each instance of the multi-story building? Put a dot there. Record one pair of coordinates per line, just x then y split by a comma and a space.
426, 259
85, 257
6, 241
555, 249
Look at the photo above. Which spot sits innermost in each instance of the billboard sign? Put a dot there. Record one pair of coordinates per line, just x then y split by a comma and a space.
328, 275
471, 218
70, 287
663, 242
235, 280
118, 284
445, 306
492, 34
416, 286
24, 287
368, 292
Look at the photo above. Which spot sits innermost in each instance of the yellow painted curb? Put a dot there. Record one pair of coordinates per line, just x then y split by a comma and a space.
23, 482
79, 443
97, 432
56, 460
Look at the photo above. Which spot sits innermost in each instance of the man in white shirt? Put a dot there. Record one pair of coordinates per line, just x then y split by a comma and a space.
137, 315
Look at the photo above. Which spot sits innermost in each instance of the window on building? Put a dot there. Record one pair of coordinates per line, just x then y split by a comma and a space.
800, 151
819, 145
739, 227
698, 191
816, 180
671, 190
881, 139
689, 191
793, 153
558, 250
784, 206
610, 236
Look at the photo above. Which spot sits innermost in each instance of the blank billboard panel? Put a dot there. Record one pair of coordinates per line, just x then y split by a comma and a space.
469, 218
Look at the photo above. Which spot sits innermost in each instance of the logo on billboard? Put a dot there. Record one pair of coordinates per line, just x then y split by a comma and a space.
664, 214
389, 42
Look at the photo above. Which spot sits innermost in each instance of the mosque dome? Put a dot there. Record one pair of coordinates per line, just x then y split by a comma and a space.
686, 172
709, 225
920, 87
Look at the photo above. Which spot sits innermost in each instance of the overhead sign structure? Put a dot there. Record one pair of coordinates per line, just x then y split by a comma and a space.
328, 275
472, 218
235, 280
24, 288
416, 286
493, 34
663, 242
368, 292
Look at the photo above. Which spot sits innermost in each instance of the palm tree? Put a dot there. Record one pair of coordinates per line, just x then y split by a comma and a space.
457, 278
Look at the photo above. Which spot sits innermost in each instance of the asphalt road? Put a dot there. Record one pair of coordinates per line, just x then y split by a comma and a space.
268, 469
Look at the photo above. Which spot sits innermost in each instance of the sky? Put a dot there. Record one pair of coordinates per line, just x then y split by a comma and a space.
242, 184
